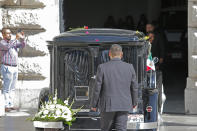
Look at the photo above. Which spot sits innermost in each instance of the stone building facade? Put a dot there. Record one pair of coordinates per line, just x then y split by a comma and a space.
40, 21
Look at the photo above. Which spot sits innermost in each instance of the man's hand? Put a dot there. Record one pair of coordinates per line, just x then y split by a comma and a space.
93, 109
134, 106
20, 35
160, 60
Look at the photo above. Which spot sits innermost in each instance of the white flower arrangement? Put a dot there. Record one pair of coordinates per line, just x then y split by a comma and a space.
55, 110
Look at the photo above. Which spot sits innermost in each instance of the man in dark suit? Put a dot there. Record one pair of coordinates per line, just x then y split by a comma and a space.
116, 91
158, 42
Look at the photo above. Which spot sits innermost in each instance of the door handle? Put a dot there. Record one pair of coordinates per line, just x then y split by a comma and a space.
93, 77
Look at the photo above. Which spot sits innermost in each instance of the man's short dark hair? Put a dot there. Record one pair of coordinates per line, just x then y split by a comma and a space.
151, 32
3, 30
115, 50
153, 23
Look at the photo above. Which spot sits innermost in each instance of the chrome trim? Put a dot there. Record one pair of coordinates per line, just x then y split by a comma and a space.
42, 124
93, 77
82, 110
130, 125
148, 125
84, 129
87, 117
81, 99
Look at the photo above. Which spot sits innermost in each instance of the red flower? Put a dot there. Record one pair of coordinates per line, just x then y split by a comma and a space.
85, 27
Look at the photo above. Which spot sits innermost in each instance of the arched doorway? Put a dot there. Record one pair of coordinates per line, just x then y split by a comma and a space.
171, 15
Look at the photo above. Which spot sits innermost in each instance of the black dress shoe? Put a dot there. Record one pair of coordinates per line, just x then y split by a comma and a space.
7, 109
14, 108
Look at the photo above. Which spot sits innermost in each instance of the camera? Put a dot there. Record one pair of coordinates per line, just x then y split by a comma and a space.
20, 34
19, 30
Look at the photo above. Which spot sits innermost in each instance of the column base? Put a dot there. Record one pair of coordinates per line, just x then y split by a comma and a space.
191, 96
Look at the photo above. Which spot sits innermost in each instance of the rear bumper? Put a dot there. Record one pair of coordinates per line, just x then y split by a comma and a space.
89, 123
149, 125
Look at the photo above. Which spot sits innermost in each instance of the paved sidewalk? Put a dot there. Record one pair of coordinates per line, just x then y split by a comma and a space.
16, 121
179, 122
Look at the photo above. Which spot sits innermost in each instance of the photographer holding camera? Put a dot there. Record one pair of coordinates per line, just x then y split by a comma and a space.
9, 64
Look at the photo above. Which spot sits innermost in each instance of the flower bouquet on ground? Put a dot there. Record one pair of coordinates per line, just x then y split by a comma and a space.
54, 110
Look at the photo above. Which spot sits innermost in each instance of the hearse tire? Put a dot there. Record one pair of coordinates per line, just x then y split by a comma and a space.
43, 97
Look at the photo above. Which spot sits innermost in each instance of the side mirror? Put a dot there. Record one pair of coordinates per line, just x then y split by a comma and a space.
155, 60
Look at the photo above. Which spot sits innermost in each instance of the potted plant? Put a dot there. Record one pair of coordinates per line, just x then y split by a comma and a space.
54, 114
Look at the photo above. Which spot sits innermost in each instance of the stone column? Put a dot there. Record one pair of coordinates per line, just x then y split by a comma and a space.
61, 16
191, 89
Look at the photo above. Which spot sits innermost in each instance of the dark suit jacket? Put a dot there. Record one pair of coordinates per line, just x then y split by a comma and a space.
116, 87
158, 46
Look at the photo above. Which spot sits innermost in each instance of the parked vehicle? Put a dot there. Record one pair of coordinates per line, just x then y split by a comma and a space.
75, 56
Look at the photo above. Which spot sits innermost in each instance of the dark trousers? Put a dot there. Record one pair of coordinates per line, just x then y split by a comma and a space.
118, 118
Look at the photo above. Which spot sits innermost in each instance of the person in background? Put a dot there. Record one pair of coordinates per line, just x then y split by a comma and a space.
129, 23
158, 43
154, 27
116, 91
121, 24
157, 51
110, 22
141, 26
157, 48
9, 64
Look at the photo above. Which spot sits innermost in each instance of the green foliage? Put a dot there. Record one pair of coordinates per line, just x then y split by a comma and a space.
78, 28
141, 36
56, 110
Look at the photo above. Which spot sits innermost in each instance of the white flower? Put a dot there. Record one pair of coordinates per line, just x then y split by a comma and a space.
67, 111
55, 100
56, 117
66, 102
49, 102
58, 106
43, 116
40, 113
67, 117
58, 112
59, 115
47, 106
62, 107
46, 112
42, 106
37, 115
52, 106
65, 108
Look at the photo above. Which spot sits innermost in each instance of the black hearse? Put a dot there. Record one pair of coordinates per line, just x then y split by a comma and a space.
75, 56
